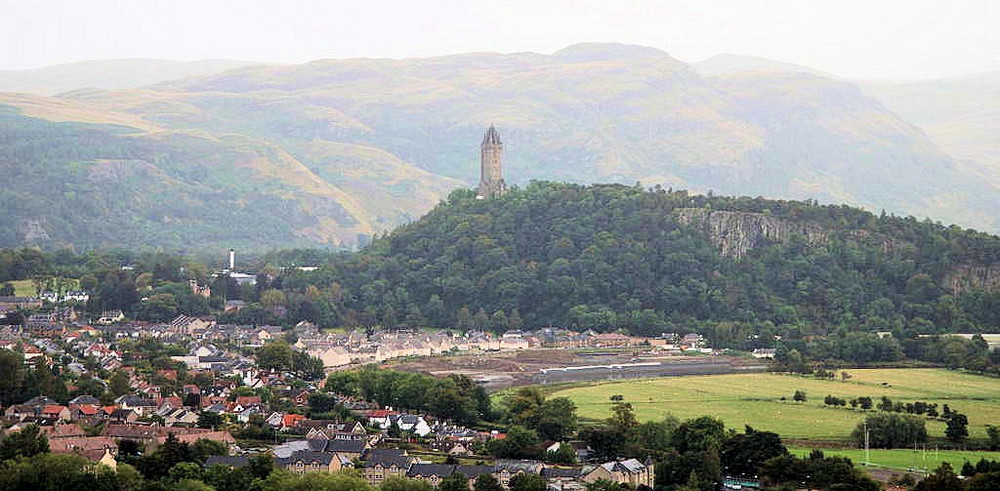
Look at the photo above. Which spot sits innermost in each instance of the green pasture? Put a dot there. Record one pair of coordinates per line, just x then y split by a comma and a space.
755, 399
907, 459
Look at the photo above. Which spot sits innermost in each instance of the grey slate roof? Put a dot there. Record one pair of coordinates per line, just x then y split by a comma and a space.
227, 460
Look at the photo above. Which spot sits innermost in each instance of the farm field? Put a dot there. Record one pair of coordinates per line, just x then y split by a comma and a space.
906, 459
755, 399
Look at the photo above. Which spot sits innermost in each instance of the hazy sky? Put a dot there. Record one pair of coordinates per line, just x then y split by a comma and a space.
858, 39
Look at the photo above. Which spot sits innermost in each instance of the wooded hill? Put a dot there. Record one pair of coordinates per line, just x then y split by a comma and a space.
613, 256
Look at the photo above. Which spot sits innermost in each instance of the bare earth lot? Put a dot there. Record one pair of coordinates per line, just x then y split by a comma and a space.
499, 370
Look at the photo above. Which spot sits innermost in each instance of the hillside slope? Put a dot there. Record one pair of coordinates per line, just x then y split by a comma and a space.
383, 140
611, 256
961, 115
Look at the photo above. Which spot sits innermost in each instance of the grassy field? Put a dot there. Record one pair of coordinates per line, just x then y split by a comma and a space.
901, 459
755, 399
26, 288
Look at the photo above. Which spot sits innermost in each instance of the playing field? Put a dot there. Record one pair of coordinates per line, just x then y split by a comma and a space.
755, 399
26, 288
908, 459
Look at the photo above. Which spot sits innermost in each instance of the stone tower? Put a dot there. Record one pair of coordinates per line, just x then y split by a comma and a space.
491, 184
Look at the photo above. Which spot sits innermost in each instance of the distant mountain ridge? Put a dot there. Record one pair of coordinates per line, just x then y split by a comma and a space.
354, 147
108, 74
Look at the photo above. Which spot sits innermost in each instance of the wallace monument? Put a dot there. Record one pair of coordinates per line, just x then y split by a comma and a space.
491, 183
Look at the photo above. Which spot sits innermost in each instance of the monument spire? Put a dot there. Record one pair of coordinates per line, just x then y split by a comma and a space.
491, 183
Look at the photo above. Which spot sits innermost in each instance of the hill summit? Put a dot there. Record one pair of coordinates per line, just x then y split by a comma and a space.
606, 257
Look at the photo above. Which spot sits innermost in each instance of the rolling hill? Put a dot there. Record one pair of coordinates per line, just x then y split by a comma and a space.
961, 115
107, 74
358, 146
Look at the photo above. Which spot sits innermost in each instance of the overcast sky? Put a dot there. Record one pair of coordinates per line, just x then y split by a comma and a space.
909, 39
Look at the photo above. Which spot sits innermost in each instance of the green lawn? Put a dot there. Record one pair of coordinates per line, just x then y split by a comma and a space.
902, 459
26, 288
755, 399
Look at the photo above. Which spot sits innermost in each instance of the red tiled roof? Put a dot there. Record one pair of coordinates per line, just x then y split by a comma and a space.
88, 409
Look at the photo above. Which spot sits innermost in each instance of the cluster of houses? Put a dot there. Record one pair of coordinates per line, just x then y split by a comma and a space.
339, 447
323, 445
64, 425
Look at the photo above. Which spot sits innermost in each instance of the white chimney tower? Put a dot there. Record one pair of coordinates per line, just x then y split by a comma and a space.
232, 260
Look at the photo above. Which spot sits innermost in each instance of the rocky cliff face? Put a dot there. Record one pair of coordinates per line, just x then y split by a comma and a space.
968, 277
735, 233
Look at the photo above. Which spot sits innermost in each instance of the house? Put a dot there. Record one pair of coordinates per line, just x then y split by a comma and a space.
693, 340
352, 449
304, 461
183, 324
59, 431
232, 462
108, 459
291, 420
109, 317
140, 405
19, 303
92, 447
381, 418
302, 398
412, 423
611, 340
31, 408
630, 472
383, 464
432, 474
505, 470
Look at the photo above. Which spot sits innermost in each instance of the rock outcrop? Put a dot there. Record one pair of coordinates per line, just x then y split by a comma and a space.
735, 232
968, 277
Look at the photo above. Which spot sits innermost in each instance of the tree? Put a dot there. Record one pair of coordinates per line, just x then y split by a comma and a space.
623, 417
993, 433
26, 442
958, 427
275, 355
527, 482
988, 481
7, 290
603, 485
209, 419
865, 402
484, 482
395, 483
454, 482
272, 298
11, 376
606, 442
314, 481
800, 396
943, 479
119, 384
891, 430
520, 442
523, 404
743, 454
555, 419
703, 434
565, 454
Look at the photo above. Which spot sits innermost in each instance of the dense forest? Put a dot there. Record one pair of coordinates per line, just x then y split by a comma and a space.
603, 257
608, 257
